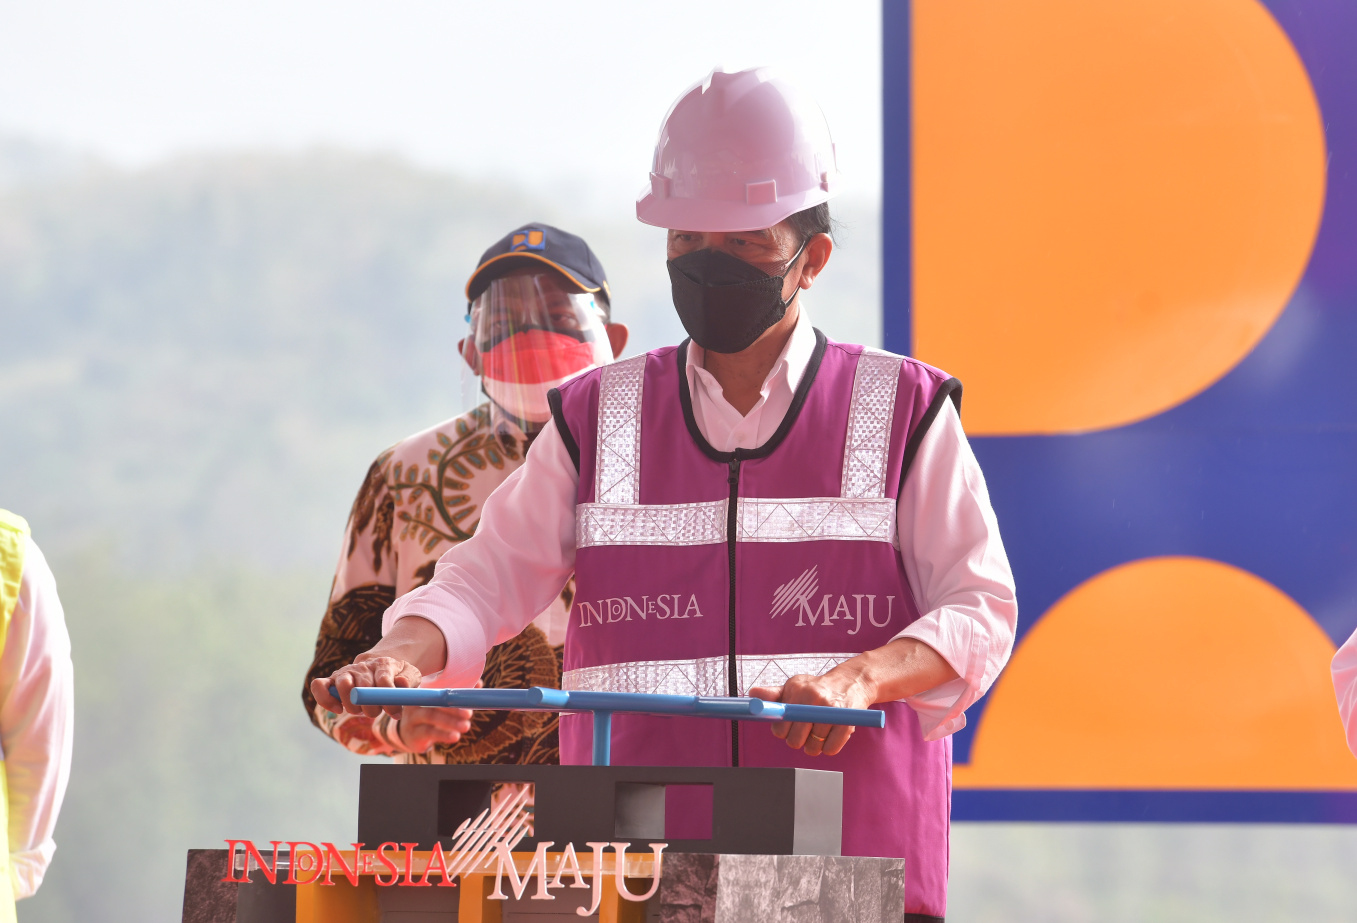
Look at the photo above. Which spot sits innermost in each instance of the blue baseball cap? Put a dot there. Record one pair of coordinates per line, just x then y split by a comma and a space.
540, 243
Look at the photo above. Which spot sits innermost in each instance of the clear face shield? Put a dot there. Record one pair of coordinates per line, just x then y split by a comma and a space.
532, 334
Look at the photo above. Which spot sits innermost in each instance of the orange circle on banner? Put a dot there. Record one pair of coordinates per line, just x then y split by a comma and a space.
1113, 201
1179, 673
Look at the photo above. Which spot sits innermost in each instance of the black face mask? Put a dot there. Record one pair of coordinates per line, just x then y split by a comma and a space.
725, 304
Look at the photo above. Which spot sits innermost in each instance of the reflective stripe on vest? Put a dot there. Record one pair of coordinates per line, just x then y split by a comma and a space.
617, 475
804, 519
861, 512
700, 675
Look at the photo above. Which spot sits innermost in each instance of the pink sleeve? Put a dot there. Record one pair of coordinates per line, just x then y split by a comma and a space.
1345, 686
36, 720
487, 589
955, 561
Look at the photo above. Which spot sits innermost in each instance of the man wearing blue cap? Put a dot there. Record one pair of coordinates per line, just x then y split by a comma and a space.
539, 313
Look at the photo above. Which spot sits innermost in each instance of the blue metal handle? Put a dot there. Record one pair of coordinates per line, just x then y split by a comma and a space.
825, 714
539, 698
604, 704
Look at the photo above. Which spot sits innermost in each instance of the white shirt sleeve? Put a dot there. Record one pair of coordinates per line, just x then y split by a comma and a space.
488, 588
1345, 687
955, 561
37, 719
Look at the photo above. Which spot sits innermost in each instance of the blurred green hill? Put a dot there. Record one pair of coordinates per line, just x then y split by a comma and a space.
197, 363
200, 359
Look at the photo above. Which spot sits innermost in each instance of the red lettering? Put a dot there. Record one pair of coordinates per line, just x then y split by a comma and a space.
270, 871
390, 866
333, 855
409, 881
231, 860
317, 864
442, 860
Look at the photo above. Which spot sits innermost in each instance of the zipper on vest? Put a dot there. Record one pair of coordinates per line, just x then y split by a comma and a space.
732, 526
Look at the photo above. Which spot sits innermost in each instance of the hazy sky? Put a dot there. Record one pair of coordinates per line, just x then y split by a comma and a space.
538, 91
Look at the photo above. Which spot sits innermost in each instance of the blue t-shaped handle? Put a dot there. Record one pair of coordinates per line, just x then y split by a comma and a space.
604, 704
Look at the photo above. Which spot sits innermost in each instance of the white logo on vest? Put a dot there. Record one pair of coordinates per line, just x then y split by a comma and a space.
624, 608
798, 595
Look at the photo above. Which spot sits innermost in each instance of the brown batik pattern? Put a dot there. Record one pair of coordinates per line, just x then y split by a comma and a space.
351, 625
418, 499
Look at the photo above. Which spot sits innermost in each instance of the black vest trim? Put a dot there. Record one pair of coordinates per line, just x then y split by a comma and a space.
951, 388
923, 917
798, 400
567, 437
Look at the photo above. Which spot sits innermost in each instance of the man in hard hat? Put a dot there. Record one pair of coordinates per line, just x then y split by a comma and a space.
756, 511
539, 312
37, 712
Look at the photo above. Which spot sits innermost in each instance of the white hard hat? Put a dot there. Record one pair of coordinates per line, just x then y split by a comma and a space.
739, 152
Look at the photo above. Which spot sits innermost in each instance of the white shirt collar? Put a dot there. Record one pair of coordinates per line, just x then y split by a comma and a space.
721, 424
791, 362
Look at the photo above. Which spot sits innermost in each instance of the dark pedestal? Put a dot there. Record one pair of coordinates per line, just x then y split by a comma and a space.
780, 889
753, 810
758, 846
694, 888
208, 899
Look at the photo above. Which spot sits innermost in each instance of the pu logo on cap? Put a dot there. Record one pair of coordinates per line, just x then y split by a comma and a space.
529, 239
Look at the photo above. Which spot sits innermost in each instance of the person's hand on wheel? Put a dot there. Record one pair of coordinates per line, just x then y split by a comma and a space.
838, 688
367, 669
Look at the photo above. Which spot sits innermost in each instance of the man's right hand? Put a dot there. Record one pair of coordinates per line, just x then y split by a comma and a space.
368, 669
391, 662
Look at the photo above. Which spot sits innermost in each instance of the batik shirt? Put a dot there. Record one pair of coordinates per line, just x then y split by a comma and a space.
421, 497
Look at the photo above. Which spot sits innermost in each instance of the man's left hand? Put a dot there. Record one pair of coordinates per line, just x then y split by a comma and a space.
900, 669
840, 688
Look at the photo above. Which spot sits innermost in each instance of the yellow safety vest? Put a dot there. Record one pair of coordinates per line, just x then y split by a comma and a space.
13, 545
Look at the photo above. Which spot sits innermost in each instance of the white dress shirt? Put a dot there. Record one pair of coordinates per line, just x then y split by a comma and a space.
1345, 687
37, 717
486, 589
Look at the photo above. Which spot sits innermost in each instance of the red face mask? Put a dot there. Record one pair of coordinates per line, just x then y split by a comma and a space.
518, 372
532, 334
531, 357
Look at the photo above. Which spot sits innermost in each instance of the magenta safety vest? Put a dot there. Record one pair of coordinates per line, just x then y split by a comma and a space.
705, 572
